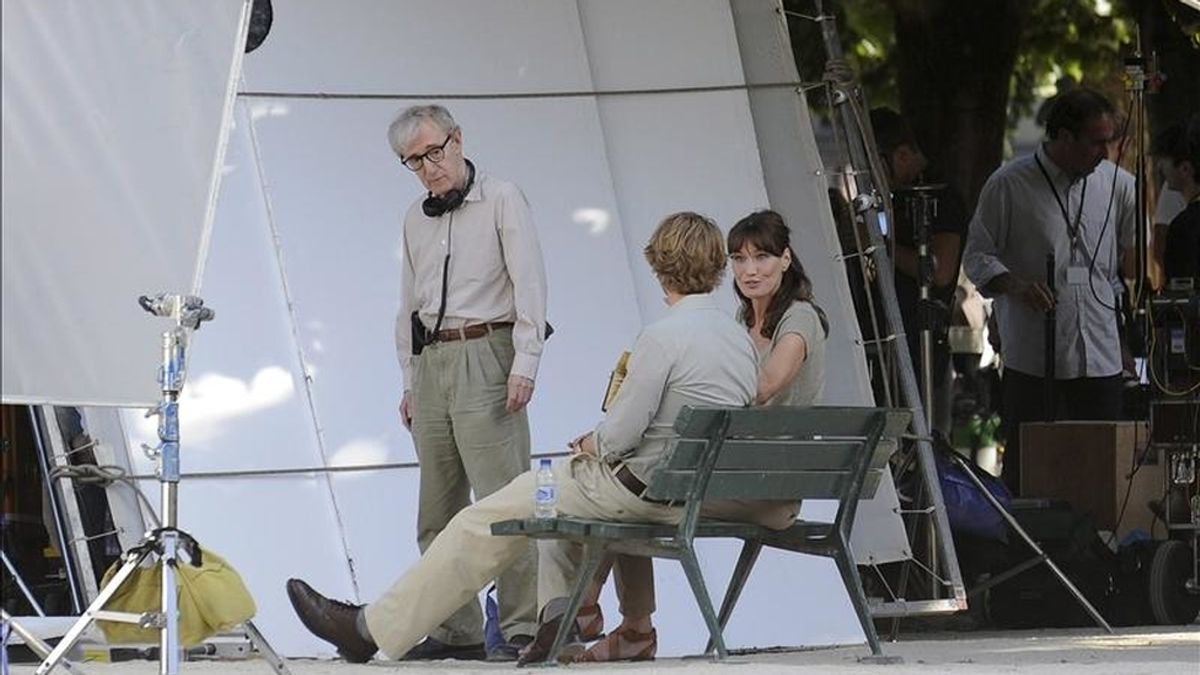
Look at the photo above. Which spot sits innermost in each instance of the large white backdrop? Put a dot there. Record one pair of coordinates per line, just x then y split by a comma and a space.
609, 114
114, 119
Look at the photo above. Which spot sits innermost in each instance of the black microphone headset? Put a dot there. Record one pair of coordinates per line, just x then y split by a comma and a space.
435, 206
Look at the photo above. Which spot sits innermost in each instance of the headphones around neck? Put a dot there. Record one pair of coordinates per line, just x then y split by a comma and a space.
435, 206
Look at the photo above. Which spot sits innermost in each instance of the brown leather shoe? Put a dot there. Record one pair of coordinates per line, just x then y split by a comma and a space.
331, 620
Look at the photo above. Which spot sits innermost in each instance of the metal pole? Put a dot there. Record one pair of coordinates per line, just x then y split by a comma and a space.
174, 359
40, 429
1040, 554
1050, 355
845, 99
21, 584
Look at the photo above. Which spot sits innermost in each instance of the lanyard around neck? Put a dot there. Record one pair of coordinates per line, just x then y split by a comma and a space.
1072, 230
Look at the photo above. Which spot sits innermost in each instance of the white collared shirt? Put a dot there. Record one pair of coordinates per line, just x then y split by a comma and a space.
1017, 223
496, 271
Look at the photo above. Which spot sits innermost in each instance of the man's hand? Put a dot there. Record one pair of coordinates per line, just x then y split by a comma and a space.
406, 410
1035, 294
584, 444
520, 390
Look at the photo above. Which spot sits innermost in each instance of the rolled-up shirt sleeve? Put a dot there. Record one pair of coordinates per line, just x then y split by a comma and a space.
523, 260
636, 402
986, 236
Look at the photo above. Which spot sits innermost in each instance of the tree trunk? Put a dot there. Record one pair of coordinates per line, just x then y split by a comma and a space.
954, 69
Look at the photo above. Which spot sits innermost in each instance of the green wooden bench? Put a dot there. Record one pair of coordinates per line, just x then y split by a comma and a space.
836, 453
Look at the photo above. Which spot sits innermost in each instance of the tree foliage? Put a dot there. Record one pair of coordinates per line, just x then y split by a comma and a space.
932, 59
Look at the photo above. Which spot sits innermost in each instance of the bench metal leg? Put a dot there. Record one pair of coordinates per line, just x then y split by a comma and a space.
741, 572
691, 567
592, 555
849, 571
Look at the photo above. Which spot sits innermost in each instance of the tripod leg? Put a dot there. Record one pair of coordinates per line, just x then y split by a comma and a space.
1012, 522
34, 642
59, 652
264, 648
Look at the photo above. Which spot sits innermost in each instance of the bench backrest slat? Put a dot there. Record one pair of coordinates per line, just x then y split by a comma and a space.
786, 485
779, 452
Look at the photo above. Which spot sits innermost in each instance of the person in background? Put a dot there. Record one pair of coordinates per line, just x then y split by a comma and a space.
1177, 242
789, 332
1056, 201
906, 166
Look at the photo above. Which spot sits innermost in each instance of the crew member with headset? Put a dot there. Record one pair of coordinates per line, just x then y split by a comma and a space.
469, 336
1064, 200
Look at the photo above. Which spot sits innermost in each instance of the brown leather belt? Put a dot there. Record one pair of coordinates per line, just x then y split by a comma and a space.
637, 487
470, 332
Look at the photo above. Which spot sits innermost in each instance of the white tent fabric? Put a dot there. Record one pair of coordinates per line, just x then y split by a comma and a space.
114, 120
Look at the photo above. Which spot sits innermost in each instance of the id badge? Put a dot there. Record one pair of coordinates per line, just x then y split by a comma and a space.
1077, 275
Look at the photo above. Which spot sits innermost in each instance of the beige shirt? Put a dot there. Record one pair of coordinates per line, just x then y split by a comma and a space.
695, 355
806, 387
496, 271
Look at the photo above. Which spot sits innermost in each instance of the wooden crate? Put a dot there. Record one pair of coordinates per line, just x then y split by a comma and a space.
1091, 466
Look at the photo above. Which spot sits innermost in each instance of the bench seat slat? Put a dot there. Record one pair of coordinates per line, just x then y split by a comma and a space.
603, 529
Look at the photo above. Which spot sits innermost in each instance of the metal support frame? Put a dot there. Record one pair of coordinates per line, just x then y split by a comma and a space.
849, 111
63, 506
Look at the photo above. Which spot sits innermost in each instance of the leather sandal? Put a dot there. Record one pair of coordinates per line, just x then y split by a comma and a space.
590, 622
623, 644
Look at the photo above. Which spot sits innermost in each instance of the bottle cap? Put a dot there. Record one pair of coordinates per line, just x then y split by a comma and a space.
545, 463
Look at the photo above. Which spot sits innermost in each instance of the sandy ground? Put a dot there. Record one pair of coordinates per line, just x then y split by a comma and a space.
1134, 651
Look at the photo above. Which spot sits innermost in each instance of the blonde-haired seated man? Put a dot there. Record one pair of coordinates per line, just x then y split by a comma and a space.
694, 355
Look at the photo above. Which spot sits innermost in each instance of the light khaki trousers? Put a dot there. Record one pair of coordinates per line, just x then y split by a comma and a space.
466, 441
633, 575
465, 556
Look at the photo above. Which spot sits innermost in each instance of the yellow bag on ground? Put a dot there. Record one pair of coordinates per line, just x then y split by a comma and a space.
212, 598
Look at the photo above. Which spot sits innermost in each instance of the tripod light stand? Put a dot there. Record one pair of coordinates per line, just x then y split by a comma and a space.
187, 312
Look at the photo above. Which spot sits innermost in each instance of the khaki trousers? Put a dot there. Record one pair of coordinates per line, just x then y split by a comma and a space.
466, 441
634, 575
465, 556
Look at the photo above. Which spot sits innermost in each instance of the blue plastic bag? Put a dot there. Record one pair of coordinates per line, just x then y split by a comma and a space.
968, 510
492, 635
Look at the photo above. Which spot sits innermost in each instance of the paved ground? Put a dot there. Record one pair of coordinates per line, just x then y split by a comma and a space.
1132, 651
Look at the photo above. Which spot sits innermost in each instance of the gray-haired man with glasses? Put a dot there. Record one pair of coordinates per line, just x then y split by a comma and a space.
469, 336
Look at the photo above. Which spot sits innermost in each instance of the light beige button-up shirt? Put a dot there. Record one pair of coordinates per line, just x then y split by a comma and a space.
496, 271
695, 355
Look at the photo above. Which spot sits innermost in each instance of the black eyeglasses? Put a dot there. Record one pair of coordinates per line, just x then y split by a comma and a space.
435, 155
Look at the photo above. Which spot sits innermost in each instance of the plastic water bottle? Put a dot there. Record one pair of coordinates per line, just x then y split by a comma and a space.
545, 494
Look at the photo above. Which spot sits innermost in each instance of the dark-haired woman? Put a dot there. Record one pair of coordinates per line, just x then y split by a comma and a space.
789, 333
788, 329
